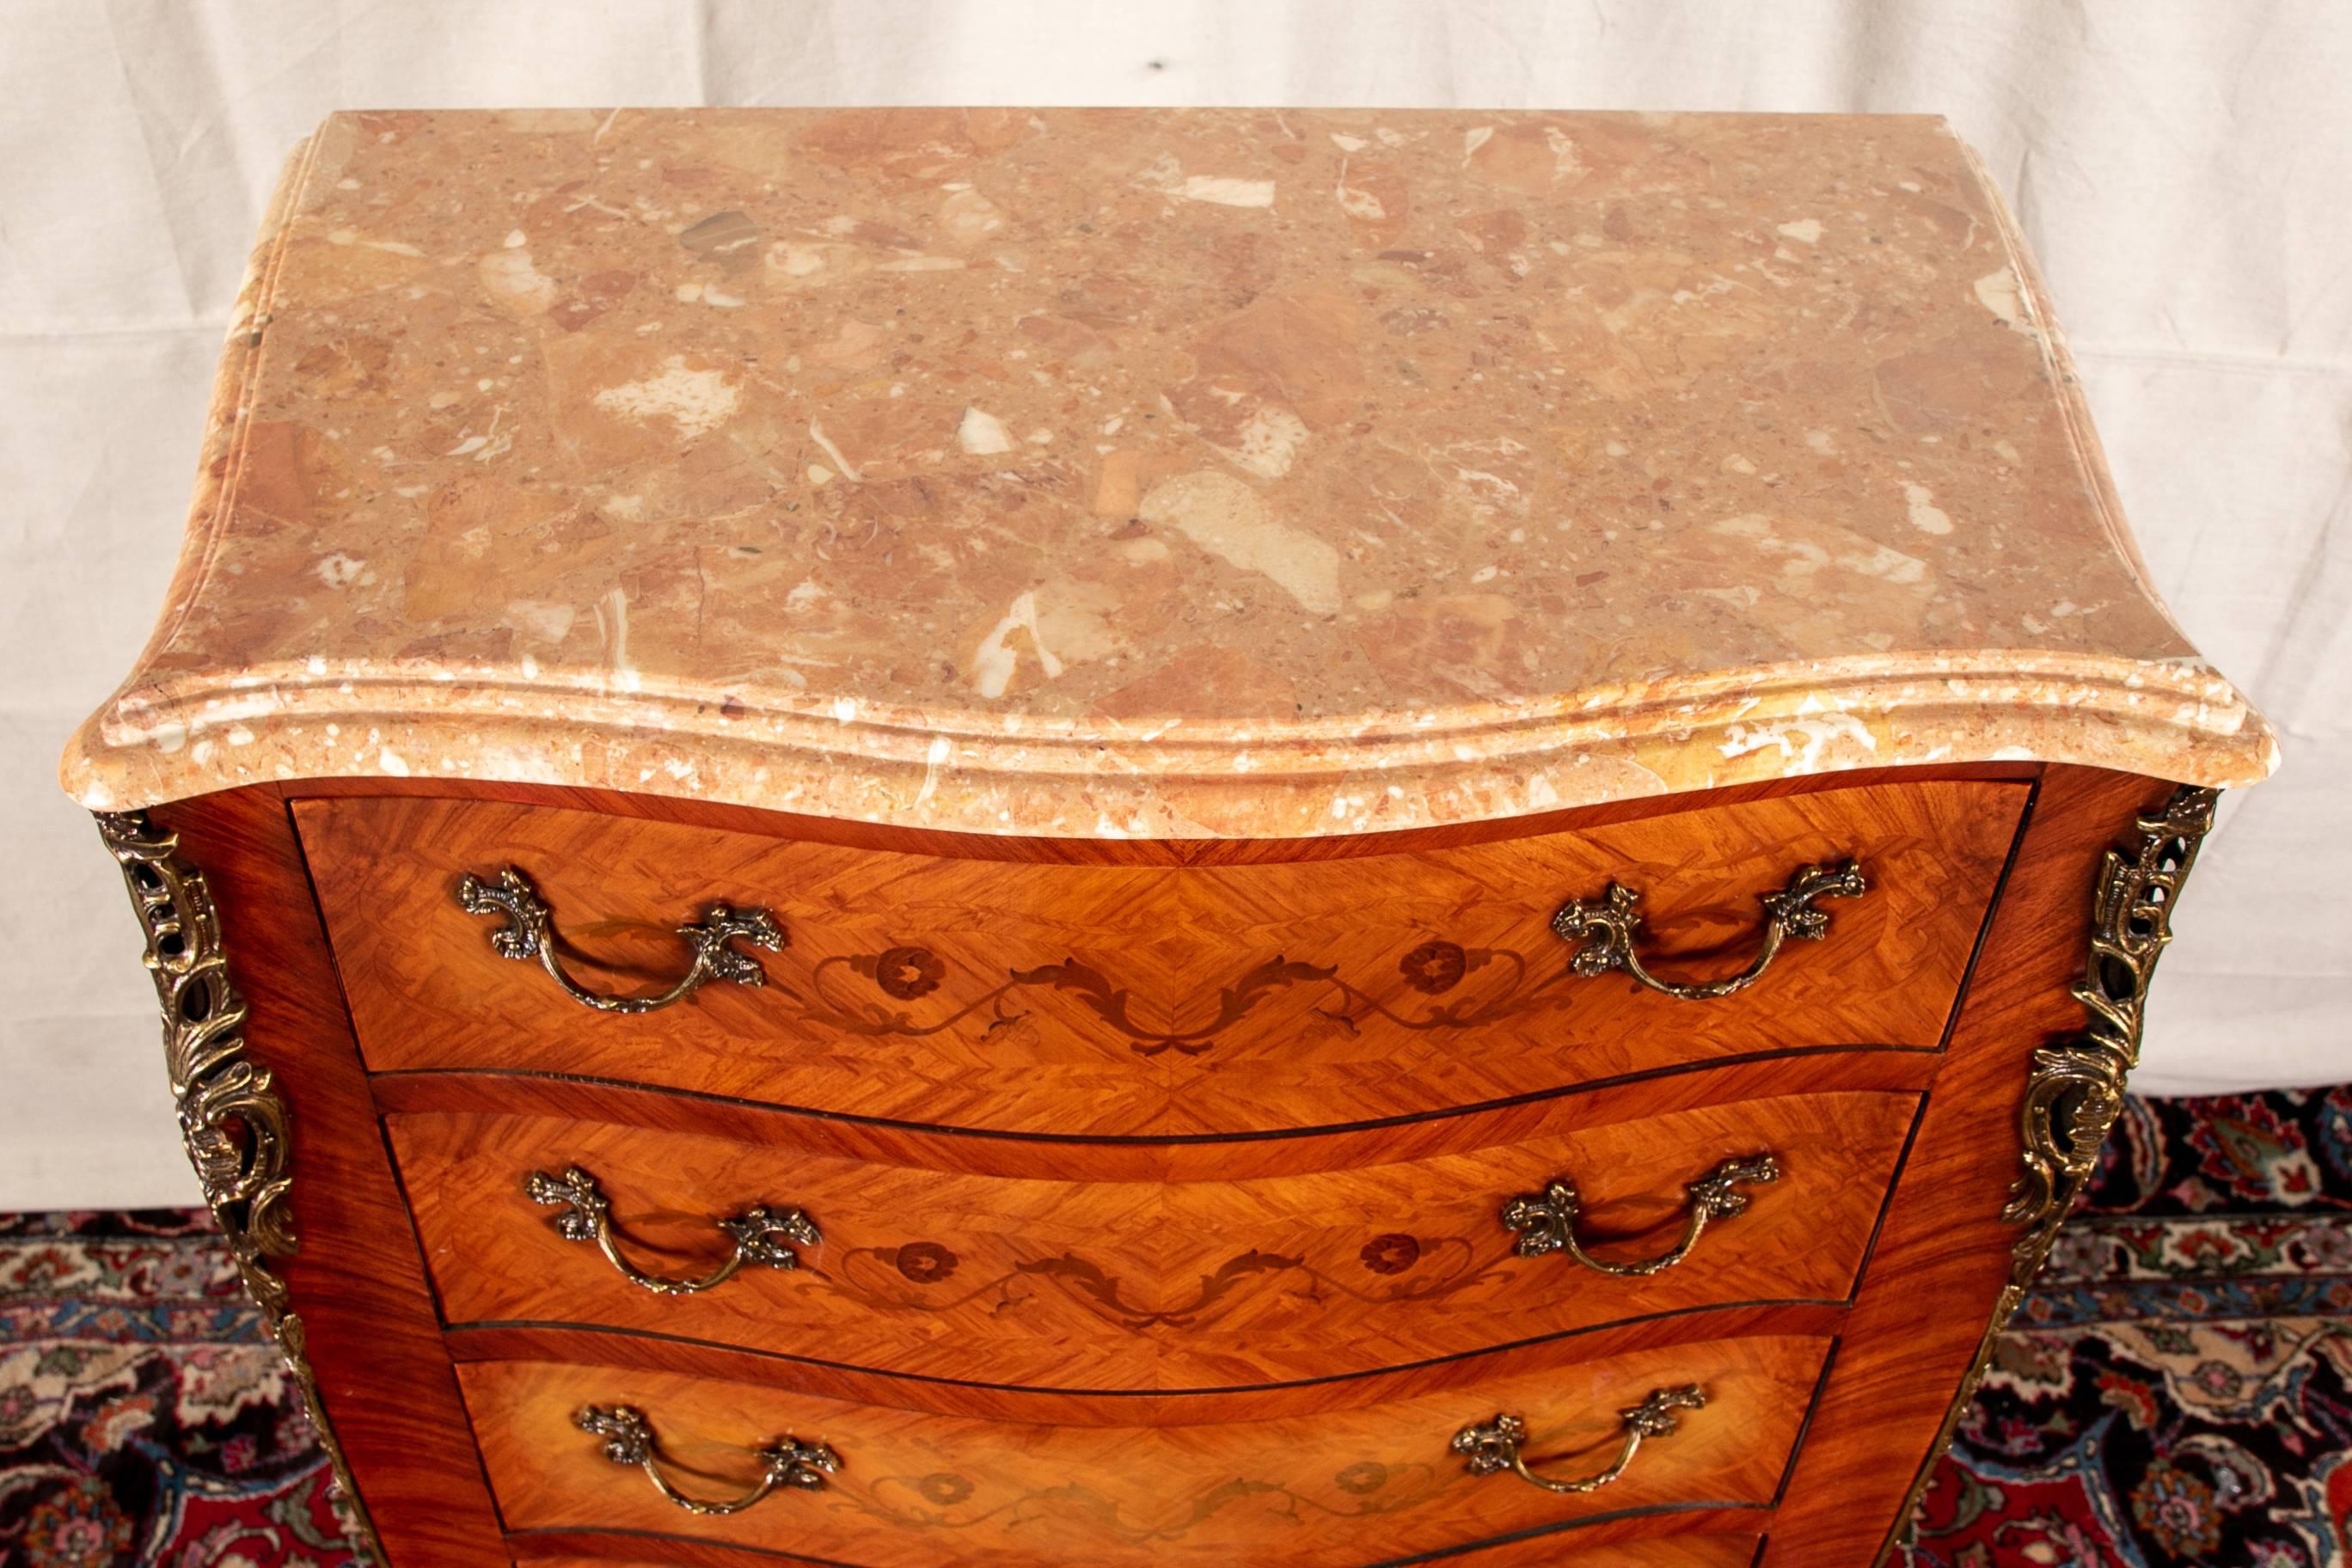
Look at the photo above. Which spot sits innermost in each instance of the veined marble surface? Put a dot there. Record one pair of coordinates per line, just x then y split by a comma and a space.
1153, 473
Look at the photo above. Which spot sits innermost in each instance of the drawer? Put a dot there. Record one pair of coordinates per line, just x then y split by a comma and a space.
978, 1260
1680, 1551
1362, 1479
970, 992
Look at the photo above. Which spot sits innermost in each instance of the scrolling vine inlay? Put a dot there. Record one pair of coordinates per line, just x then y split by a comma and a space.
1190, 1025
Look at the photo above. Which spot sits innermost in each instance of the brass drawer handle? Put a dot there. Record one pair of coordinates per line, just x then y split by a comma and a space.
587, 1217
786, 1462
1547, 1220
529, 932
1496, 1445
1607, 930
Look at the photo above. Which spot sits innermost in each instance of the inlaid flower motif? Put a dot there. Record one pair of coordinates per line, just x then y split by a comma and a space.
1435, 967
1391, 1253
926, 1262
908, 973
944, 1488
1362, 1478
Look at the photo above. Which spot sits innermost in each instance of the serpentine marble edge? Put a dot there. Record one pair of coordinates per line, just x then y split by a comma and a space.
1169, 473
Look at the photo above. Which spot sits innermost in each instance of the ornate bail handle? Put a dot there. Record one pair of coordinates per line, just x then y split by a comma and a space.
529, 932
1607, 930
786, 1462
759, 1234
1547, 1220
1496, 1445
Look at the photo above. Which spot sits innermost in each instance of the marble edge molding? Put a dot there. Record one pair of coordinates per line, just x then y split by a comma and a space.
1174, 778
156, 741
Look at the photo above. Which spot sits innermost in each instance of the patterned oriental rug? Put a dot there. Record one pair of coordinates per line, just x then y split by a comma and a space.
2176, 1388
2176, 1391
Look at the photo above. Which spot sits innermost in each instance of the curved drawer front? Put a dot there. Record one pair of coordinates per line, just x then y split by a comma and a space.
1370, 1482
1147, 999
1709, 1551
994, 1275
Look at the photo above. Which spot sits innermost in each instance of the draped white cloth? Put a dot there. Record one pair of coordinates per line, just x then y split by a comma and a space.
2184, 171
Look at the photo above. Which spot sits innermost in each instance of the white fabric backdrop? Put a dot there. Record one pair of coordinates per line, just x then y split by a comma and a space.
2182, 169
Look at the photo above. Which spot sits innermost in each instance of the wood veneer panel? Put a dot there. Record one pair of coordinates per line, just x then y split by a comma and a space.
1576, 1549
1096, 1282
357, 1282
614, 1549
1944, 1254
632, 1352
1341, 1487
1181, 1158
1678, 1551
1139, 1000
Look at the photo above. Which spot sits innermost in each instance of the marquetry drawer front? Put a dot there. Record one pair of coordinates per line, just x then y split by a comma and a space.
987, 1260
982, 993
1548, 1551
1364, 1479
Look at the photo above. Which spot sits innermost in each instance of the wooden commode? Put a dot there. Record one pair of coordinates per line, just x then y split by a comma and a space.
931, 837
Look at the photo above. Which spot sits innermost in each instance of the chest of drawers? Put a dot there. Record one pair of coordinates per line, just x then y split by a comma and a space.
970, 838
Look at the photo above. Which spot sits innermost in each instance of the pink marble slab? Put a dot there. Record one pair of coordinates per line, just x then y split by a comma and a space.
1157, 473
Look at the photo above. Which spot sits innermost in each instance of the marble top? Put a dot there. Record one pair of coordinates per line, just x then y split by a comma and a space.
1156, 473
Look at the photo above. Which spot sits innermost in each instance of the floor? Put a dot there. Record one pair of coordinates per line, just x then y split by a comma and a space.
2176, 1390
